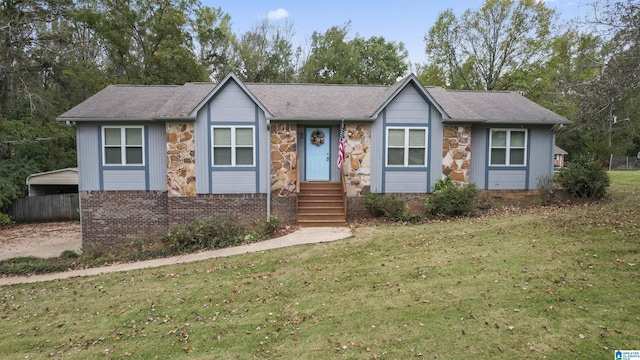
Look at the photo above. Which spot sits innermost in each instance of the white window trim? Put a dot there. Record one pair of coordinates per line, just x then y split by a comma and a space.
233, 144
406, 145
508, 147
123, 145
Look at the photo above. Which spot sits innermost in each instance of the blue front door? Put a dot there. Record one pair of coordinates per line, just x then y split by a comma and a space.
318, 145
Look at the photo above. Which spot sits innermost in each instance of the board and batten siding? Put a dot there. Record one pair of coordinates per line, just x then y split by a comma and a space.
157, 157
479, 157
539, 160
124, 180
409, 108
88, 157
231, 106
93, 176
541, 154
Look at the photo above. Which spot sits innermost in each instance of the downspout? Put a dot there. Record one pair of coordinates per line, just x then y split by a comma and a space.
268, 142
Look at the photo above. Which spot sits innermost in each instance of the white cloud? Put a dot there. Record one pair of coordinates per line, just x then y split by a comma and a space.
277, 14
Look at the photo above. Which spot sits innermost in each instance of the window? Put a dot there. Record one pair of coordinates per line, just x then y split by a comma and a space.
508, 147
232, 146
406, 146
122, 145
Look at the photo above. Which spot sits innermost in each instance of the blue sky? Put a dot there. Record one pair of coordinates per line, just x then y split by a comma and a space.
398, 20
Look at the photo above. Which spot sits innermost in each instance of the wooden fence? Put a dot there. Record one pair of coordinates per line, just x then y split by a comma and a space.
46, 208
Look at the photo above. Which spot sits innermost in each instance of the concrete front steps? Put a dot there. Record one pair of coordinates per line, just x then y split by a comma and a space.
321, 204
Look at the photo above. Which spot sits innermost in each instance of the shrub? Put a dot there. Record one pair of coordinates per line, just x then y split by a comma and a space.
390, 206
271, 227
545, 187
584, 178
5, 219
69, 254
217, 232
449, 200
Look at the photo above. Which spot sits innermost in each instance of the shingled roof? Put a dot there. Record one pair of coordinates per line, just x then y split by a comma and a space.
306, 102
493, 107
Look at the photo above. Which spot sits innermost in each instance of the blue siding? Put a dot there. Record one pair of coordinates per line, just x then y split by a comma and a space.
507, 179
231, 106
407, 109
478, 164
203, 154
435, 147
233, 182
539, 160
88, 157
541, 155
156, 153
405, 181
377, 153
124, 179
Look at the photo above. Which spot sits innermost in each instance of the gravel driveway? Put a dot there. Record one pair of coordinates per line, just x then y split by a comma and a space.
40, 240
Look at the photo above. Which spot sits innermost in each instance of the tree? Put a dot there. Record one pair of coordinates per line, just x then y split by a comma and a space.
335, 59
607, 119
145, 41
266, 53
217, 43
482, 48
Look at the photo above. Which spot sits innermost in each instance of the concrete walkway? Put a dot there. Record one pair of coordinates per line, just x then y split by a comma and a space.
308, 235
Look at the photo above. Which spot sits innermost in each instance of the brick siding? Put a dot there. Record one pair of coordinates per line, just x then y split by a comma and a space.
247, 207
113, 217
284, 207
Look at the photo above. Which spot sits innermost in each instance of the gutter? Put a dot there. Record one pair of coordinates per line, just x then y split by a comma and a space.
302, 120
92, 119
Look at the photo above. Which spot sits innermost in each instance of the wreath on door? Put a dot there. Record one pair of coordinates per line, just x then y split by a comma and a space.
317, 138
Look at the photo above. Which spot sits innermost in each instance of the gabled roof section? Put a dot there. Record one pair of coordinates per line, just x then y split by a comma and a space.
230, 77
396, 88
497, 107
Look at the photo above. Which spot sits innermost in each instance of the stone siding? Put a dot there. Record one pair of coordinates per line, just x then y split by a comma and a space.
456, 153
357, 165
284, 167
181, 161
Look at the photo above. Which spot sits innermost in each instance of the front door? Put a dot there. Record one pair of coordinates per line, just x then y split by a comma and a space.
318, 145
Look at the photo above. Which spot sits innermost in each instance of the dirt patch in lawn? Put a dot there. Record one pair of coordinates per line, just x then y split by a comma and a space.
40, 240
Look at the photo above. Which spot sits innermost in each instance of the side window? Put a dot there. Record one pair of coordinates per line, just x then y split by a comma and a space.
123, 145
508, 147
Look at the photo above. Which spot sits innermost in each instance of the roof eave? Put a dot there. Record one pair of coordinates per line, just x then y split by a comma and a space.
146, 119
301, 119
461, 120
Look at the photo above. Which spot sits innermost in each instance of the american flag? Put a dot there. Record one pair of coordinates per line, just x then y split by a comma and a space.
341, 146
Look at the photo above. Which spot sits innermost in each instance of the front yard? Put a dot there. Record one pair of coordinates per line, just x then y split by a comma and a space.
554, 282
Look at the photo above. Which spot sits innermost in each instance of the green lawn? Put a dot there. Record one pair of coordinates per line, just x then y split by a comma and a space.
556, 282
